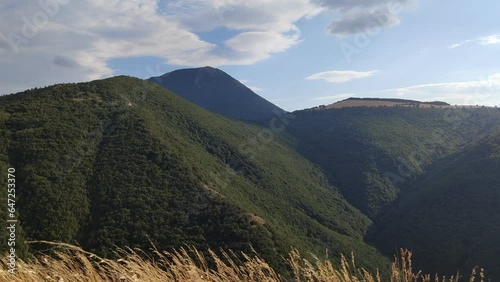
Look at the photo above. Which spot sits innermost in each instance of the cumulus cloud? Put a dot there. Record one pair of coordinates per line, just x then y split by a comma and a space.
359, 16
340, 76
69, 40
257, 15
82, 36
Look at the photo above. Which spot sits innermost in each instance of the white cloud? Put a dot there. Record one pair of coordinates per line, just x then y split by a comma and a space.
262, 27
484, 91
489, 40
68, 40
86, 34
485, 40
257, 15
341, 76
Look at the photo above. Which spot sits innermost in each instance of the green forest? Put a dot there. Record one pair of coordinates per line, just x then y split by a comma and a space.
124, 162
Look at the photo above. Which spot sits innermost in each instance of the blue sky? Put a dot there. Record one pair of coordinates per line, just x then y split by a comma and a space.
296, 53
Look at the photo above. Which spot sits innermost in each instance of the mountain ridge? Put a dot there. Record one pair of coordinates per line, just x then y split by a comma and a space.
389, 102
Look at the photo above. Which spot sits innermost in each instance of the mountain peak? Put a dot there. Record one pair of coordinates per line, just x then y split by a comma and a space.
216, 91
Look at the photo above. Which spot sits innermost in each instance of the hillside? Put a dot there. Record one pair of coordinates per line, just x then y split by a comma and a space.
451, 216
387, 102
125, 162
371, 153
218, 92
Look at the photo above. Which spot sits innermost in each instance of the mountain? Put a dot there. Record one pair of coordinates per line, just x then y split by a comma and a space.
218, 92
124, 162
451, 215
371, 153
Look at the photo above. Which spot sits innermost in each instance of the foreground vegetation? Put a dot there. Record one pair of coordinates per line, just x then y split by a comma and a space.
71, 263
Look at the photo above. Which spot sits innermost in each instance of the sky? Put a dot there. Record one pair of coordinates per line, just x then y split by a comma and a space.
295, 53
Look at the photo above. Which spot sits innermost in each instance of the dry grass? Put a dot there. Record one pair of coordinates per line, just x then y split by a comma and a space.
72, 263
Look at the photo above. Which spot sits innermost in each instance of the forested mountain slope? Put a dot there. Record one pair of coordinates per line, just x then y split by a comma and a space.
451, 215
371, 153
124, 162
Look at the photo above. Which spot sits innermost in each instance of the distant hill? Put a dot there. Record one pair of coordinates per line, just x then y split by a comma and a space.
124, 162
218, 92
383, 102
450, 216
